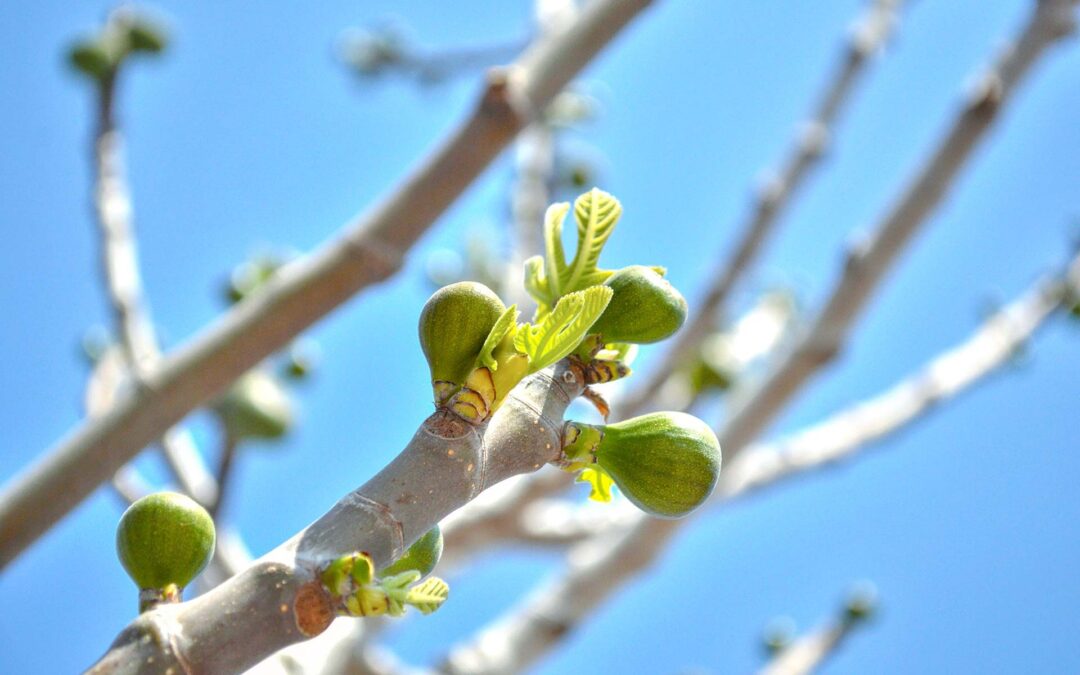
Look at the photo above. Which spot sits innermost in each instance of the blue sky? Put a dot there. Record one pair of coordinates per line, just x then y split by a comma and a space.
249, 135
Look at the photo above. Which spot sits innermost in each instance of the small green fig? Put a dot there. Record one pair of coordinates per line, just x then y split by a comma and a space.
422, 556
454, 324
164, 539
645, 308
666, 463
256, 406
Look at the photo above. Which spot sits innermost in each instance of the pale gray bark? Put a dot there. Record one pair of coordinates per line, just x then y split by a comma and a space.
366, 252
597, 568
809, 652
869, 34
277, 602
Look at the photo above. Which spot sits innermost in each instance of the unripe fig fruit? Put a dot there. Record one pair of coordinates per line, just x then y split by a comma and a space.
666, 463
644, 308
256, 406
422, 556
164, 539
454, 324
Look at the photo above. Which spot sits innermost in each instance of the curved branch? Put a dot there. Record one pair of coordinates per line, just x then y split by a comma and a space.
365, 253
278, 600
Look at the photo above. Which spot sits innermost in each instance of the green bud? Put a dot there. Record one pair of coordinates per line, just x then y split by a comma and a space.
92, 59
164, 539
422, 556
666, 463
454, 324
256, 406
861, 602
644, 308
144, 36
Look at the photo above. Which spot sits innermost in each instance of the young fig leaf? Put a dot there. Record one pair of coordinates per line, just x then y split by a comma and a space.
599, 481
503, 327
596, 213
421, 557
428, 596
563, 329
555, 260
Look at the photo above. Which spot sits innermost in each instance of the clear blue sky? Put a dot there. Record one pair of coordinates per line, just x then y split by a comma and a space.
249, 134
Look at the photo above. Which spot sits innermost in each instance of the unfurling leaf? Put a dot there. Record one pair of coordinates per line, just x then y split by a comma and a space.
596, 213
600, 482
428, 596
503, 327
555, 262
560, 332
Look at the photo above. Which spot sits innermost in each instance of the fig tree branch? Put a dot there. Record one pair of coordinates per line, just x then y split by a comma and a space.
279, 600
600, 566
486, 521
869, 33
364, 253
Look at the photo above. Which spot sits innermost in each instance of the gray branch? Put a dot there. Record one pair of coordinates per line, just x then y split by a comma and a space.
278, 600
600, 566
870, 32
365, 253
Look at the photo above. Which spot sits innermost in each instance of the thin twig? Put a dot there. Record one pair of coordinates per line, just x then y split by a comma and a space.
224, 472
870, 32
810, 651
599, 567
123, 285
367, 252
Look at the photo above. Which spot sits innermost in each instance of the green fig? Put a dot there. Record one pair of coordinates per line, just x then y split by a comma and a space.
256, 406
422, 556
645, 308
163, 541
666, 463
454, 324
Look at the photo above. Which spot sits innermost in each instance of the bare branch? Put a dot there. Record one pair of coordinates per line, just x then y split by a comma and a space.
869, 33
279, 601
366, 252
950, 374
123, 285
598, 568
809, 651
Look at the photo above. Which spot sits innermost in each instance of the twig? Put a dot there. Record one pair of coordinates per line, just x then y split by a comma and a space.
224, 471
849, 431
279, 601
870, 32
367, 252
123, 285
599, 567
809, 651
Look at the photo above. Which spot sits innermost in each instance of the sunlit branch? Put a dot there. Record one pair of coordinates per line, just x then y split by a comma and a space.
598, 568
870, 32
365, 253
